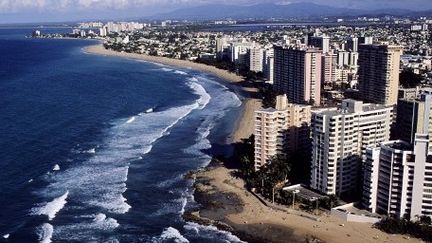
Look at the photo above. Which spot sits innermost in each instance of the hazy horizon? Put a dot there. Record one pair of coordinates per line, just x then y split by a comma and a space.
25, 11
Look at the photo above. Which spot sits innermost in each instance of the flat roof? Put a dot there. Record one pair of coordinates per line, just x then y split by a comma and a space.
304, 192
267, 110
398, 145
357, 211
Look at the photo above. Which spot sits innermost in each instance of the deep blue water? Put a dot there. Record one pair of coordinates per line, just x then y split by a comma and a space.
94, 149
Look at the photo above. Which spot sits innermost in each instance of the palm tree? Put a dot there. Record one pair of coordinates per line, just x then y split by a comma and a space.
274, 175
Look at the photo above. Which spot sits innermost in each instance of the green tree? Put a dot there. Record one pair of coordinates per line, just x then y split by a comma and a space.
426, 220
408, 79
273, 176
269, 96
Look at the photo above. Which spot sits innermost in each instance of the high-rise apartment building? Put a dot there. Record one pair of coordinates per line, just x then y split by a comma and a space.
398, 178
297, 73
240, 52
343, 58
414, 116
269, 65
339, 141
256, 59
103, 31
352, 44
329, 65
281, 131
222, 48
321, 42
368, 40
407, 93
378, 80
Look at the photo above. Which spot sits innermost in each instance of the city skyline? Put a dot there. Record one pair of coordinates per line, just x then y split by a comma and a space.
215, 123
23, 11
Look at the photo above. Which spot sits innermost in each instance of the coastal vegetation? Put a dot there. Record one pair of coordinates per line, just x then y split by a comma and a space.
271, 178
422, 228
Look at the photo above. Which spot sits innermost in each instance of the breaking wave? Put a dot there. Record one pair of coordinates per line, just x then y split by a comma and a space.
173, 234
209, 231
50, 209
45, 233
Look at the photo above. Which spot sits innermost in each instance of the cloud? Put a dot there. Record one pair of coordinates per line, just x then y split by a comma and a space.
16, 6
284, 2
54, 5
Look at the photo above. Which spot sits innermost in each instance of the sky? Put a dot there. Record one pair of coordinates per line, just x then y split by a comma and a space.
26, 11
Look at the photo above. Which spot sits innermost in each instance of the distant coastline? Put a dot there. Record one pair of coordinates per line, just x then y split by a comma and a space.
230, 77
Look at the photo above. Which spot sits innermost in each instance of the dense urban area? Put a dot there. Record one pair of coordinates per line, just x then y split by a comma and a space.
346, 122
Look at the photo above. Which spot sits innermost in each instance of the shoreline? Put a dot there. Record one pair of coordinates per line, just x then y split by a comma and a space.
243, 126
98, 49
226, 204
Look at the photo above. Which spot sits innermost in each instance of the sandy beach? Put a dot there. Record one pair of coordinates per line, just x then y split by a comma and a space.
100, 50
226, 203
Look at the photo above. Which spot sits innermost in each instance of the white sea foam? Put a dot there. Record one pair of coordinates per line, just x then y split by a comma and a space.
166, 69
194, 79
171, 233
181, 72
101, 221
230, 97
132, 119
199, 90
56, 167
91, 151
202, 142
176, 206
100, 181
183, 205
45, 233
158, 64
211, 232
99, 217
87, 228
51, 208
169, 182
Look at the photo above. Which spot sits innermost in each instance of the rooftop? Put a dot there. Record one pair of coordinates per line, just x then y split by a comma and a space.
267, 110
304, 192
351, 106
398, 145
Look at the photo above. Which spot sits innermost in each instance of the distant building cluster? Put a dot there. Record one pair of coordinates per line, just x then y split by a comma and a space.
112, 27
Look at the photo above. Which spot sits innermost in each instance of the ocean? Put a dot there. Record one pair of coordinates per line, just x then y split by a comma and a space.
95, 149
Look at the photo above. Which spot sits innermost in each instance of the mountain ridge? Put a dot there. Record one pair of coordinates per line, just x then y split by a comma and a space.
267, 11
